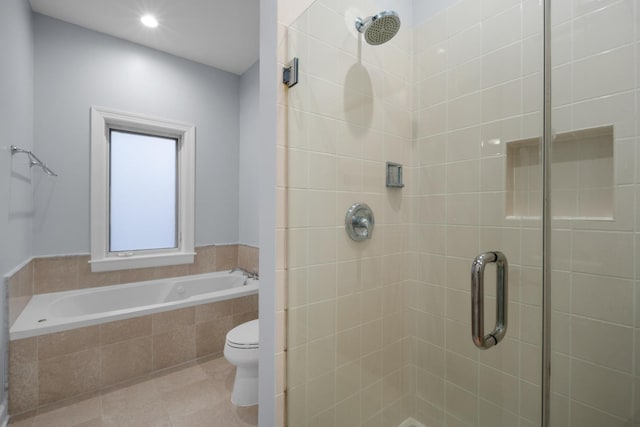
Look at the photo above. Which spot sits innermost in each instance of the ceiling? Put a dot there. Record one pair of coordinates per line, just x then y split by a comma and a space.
221, 33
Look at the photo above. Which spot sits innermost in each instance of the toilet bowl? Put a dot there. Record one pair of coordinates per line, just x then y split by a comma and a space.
241, 349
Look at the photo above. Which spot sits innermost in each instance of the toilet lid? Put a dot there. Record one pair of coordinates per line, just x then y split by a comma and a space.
244, 336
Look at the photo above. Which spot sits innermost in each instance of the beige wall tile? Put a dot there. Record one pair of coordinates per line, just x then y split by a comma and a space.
174, 347
321, 357
67, 342
210, 336
170, 271
88, 279
586, 416
248, 258
13, 285
25, 276
226, 257
21, 283
602, 343
588, 247
23, 375
86, 412
122, 330
144, 274
498, 387
239, 319
55, 274
602, 388
320, 394
16, 305
125, 360
137, 275
214, 310
245, 304
169, 320
68, 375
205, 260
321, 319
24, 350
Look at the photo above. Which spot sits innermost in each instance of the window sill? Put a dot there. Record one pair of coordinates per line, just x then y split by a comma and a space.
141, 261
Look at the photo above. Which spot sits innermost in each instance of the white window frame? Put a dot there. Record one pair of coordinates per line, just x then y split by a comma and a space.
104, 119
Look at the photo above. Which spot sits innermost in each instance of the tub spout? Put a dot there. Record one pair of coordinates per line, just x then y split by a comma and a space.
249, 274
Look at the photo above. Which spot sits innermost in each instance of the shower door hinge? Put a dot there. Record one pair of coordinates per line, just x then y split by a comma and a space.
290, 73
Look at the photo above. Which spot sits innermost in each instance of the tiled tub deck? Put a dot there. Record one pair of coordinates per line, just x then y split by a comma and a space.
51, 368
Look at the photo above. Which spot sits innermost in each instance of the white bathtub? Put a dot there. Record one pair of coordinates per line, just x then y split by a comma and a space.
61, 311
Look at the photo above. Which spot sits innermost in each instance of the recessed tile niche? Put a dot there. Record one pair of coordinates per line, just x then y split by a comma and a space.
581, 170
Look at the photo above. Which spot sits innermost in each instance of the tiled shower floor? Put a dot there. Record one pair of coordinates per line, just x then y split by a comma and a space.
196, 395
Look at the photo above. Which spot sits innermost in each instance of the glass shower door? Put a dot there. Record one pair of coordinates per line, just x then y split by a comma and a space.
478, 114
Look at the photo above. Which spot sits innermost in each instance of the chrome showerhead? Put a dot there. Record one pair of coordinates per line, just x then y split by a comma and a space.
380, 28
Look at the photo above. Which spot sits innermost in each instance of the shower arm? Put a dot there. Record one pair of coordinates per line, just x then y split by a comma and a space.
33, 160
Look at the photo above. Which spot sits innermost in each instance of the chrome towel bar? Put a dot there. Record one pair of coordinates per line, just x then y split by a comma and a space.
33, 160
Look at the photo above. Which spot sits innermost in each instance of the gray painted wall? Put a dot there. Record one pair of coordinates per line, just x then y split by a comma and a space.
77, 68
249, 178
16, 127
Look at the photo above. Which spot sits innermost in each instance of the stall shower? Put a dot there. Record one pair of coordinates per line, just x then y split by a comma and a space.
509, 133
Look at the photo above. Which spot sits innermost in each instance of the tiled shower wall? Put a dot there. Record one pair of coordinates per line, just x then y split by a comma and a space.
476, 86
349, 114
595, 328
479, 85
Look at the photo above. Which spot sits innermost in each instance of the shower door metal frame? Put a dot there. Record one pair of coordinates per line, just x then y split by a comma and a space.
546, 218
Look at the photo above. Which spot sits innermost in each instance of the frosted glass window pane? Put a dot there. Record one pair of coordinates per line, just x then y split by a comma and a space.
143, 182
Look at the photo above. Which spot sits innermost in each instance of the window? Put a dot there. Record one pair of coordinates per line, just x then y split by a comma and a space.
142, 191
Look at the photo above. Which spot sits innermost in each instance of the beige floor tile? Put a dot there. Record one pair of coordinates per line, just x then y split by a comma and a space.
246, 416
136, 405
178, 378
196, 395
220, 371
220, 415
70, 415
27, 422
217, 365
96, 422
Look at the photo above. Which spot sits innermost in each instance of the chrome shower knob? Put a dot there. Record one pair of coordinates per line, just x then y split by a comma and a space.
359, 222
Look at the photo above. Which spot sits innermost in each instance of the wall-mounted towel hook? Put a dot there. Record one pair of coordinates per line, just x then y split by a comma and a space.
33, 160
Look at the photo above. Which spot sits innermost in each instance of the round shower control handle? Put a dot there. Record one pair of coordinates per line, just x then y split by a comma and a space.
359, 222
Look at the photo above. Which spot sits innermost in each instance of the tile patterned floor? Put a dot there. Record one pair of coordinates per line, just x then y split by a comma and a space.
196, 395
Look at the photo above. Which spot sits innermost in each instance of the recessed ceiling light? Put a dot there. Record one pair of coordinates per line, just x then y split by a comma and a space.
149, 21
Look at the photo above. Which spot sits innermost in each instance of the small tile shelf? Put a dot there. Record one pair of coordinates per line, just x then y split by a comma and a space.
581, 176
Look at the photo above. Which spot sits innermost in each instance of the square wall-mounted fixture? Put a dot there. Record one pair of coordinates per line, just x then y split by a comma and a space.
394, 175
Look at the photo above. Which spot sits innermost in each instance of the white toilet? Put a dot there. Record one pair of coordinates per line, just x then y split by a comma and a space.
241, 349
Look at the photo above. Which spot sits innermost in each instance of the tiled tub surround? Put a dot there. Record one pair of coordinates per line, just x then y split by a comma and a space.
51, 368
54, 367
64, 273
67, 310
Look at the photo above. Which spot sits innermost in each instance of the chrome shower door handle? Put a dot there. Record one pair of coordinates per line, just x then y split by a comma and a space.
477, 299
